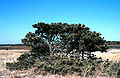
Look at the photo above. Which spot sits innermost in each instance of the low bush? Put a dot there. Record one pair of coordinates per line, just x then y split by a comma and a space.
62, 65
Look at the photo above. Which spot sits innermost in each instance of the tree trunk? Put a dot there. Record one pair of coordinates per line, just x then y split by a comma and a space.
50, 48
82, 55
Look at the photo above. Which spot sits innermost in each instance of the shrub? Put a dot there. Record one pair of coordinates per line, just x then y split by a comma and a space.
57, 48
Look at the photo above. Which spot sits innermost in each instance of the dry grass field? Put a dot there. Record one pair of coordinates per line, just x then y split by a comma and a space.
11, 55
111, 54
8, 56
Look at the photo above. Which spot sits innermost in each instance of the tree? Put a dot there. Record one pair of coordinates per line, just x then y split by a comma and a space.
68, 37
54, 38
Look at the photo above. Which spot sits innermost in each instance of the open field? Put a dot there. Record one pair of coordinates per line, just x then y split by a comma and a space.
111, 54
8, 56
11, 55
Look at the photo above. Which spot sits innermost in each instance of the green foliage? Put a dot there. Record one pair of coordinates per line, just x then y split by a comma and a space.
67, 36
63, 66
25, 61
39, 46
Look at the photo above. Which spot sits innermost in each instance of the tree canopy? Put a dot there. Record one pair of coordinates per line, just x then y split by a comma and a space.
68, 37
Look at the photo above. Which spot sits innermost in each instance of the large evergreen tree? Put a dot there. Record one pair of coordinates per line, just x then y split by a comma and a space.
69, 37
75, 41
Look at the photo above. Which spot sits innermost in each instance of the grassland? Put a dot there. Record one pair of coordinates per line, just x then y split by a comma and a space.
11, 55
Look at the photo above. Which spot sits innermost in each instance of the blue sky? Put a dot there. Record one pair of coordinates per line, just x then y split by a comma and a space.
18, 16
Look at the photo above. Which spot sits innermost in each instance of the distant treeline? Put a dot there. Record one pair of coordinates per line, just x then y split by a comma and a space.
108, 43
113, 42
12, 45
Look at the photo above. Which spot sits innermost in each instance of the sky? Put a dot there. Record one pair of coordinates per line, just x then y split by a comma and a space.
18, 16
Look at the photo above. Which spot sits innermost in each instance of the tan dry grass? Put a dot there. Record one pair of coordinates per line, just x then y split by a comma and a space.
11, 56
111, 54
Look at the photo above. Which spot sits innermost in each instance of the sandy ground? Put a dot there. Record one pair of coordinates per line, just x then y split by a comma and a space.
11, 55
